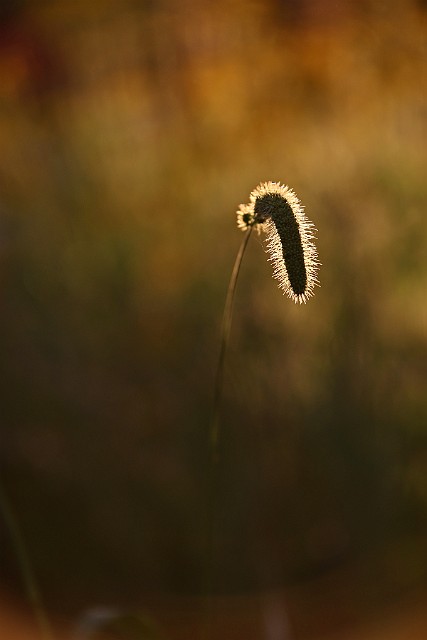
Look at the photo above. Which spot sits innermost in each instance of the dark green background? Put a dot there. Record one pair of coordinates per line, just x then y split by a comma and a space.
129, 134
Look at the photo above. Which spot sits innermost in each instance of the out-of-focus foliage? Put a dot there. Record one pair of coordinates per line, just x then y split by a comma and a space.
106, 624
129, 133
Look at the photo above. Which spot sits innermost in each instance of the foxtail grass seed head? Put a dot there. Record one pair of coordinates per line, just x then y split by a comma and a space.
275, 209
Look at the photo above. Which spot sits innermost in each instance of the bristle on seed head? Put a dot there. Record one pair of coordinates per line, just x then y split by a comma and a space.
275, 209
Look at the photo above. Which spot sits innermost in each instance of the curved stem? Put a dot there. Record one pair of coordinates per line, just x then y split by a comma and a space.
214, 436
30, 582
225, 335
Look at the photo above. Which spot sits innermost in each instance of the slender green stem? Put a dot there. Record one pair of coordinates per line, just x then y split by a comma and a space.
214, 435
30, 582
225, 335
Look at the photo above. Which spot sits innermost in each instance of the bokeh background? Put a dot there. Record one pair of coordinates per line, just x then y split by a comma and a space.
130, 131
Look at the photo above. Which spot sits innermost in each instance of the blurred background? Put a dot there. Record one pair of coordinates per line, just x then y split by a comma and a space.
130, 131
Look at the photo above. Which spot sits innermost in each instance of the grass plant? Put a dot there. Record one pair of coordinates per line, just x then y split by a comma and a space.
275, 209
